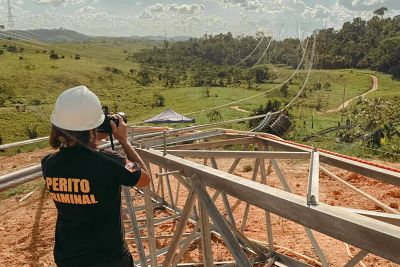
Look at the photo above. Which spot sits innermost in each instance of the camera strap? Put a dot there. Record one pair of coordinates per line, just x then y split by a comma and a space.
112, 141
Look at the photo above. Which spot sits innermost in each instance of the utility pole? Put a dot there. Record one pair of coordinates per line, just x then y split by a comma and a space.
344, 96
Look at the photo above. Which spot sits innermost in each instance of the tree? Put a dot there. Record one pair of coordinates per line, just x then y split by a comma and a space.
206, 91
260, 74
32, 131
284, 90
143, 77
6, 93
248, 77
158, 100
214, 116
381, 11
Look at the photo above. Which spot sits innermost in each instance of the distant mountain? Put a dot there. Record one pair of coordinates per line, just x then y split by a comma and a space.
144, 38
64, 35
161, 38
52, 35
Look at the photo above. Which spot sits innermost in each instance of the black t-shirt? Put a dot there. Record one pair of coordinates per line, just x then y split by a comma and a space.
86, 188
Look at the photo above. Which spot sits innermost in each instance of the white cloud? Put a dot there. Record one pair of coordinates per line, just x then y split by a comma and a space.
59, 2
146, 15
370, 5
157, 8
187, 9
86, 9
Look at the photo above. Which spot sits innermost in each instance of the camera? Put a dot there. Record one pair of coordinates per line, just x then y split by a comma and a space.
105, 127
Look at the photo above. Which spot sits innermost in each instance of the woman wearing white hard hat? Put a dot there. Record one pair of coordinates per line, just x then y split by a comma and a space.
85, 183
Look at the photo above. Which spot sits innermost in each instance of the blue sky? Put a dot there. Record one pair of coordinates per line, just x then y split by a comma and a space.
195, 18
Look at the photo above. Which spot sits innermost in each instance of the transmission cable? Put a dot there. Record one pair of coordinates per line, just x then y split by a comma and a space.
254, 50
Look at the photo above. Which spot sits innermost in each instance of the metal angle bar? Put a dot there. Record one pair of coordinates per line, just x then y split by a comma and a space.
354, 229
357, 258
381, 216
256, 248
309, 233
313, 180
214, 144
160, 221
161, 182
358, 191
185, 138
134, 225
169, 189
22, 180
287, 261
206, 246
224, 196
377, 173
152, 186
221, 225
158, 175
247, 208
186, 243
267, 214
158, 236
180, 228
164, 250
150, 226
26, 142
239, 154
20, 173
178, 193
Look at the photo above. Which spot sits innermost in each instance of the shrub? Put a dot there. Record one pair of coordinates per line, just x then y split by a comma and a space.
247, 168
77, 57
113, 70
12, 49
158, 100
36, 102
32, 131
143, 77
1, 52
54, 56
206, 92
214, 115
6, 93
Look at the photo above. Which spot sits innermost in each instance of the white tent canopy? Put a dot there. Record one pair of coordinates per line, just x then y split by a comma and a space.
169, 116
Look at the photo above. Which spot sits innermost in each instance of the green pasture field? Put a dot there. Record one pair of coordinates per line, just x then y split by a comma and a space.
37, 81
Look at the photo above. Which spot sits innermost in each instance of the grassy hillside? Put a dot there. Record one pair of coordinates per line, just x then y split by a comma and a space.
36, 80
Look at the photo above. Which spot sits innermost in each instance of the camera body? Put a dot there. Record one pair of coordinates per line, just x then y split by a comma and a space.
105, 127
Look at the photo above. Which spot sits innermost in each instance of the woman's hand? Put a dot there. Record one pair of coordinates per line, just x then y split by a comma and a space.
121, 132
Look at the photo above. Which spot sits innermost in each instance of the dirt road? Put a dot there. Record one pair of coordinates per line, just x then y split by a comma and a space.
375, 86
239, 109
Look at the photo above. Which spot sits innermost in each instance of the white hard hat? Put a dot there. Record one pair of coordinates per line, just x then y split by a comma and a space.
77, 109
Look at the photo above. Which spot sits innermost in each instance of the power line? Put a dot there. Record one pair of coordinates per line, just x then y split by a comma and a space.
257, 95
265, 52
252, 52
265, 121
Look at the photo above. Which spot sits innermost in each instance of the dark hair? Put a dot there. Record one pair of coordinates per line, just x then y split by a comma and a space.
59, 136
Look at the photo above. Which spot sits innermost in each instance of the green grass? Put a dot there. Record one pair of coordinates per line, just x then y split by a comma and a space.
22, 189
38, 77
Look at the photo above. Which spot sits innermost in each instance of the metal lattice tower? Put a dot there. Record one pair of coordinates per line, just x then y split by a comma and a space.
10, 21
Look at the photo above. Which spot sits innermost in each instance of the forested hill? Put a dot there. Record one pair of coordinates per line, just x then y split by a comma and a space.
372, 44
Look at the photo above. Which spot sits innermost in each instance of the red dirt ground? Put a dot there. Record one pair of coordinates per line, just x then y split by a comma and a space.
27, 227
